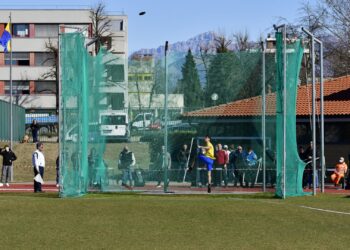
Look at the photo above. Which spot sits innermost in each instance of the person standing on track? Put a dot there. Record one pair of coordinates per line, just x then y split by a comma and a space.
207, 157
38, 160
8, 158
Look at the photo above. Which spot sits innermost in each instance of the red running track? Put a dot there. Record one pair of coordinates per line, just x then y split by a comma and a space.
181, 189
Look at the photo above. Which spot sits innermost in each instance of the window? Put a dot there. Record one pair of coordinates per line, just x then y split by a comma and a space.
117, 25
115, 72
117, 100
45, 87
72, 28
106, 42
44, 59
132, 78
46, 30
148, 78
18, 87
113, 119
18, 58
20, 30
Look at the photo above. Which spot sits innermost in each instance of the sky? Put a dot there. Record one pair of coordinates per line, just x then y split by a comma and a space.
179, 20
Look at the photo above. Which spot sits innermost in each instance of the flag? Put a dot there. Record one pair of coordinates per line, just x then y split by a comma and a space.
5, 39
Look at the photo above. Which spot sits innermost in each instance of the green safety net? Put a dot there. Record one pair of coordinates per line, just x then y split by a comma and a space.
294, 166
209, 93
82, 148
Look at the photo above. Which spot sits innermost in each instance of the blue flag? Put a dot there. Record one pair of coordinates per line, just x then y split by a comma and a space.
5, 39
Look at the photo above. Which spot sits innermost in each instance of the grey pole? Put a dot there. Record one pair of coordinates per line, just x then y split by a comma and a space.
284, 106
313, 117
263, 121
165, 159
11, 98
313, 40
322, 119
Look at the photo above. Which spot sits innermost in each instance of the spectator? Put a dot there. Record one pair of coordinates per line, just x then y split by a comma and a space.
251, 168
251, 157
220, 163
340, 170
301, 152
34, 128
182, 157
228, 170
238, 161
58, 171
93, 163
270, 167
126, 163
308, 172
207, 157
230, 166
38, 160
8, 158
161, 165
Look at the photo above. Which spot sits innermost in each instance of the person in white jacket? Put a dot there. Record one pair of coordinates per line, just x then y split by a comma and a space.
38, 160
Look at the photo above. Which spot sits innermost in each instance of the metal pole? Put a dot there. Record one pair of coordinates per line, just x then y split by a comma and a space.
165, 165
313, 117
284, 106
322, 119
263, 122
11, 97
60, 117
313, 40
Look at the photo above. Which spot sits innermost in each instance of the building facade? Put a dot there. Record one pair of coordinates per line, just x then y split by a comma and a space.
33, 31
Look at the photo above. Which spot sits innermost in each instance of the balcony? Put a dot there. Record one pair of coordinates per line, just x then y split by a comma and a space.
23, 73
33, 101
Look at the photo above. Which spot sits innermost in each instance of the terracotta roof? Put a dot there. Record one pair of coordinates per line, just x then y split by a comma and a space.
336, 102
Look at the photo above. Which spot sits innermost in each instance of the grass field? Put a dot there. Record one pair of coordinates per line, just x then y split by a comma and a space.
134, 221
23, 170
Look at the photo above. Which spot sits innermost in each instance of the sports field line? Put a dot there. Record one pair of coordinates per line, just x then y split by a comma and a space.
325, 210
293, 205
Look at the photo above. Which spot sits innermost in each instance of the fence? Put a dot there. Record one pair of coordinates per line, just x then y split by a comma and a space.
48, 126
18, 121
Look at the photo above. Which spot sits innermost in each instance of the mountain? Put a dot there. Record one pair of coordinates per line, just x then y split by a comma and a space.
195, 43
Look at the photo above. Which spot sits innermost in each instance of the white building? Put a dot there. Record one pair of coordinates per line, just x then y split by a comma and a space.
31, 30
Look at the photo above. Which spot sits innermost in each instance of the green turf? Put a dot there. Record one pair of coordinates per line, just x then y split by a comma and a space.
133, 221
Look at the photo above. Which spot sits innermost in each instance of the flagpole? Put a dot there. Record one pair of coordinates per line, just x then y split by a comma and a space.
11, 97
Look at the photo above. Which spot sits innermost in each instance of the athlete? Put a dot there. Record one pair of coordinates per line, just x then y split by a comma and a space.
207, 157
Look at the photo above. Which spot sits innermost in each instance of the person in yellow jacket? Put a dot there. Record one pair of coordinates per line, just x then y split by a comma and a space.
340, 170
207, 157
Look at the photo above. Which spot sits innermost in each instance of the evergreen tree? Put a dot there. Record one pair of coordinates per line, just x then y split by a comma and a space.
190, 85
221, 78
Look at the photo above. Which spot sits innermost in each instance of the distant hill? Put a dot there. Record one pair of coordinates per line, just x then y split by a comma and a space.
195, 43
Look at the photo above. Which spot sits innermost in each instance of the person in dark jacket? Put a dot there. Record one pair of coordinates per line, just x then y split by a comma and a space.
182, 158
8, 157
126, 163
34, 128
58, 171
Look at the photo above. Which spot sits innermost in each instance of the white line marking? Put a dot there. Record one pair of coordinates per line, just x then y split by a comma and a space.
325, 210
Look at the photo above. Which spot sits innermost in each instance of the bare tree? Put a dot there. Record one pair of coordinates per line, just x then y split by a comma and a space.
101, 25
222, 43
330, 21
52, 51
242, 42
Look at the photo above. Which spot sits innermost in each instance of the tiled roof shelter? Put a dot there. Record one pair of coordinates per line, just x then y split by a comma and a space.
336, 102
